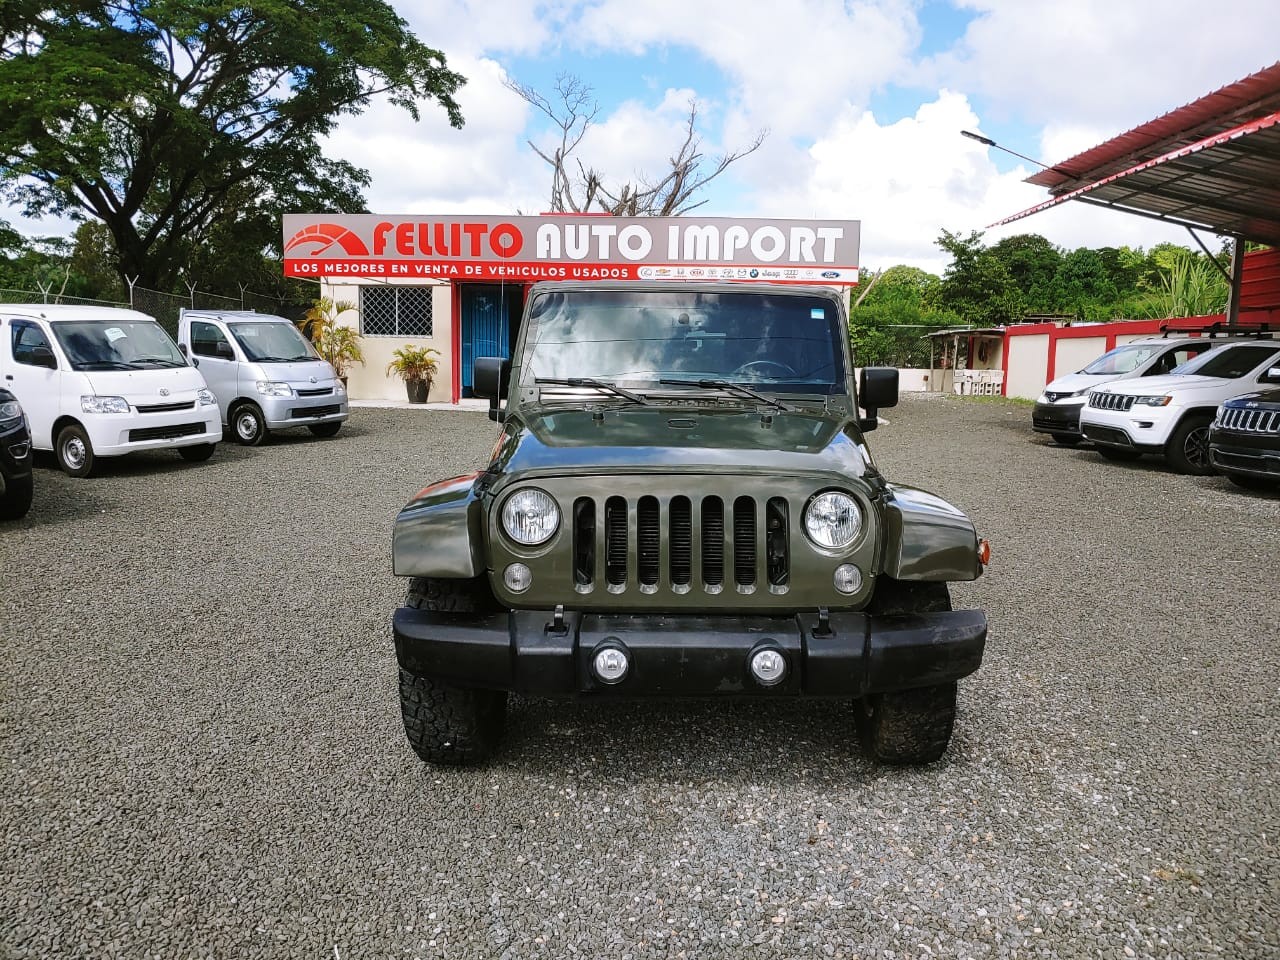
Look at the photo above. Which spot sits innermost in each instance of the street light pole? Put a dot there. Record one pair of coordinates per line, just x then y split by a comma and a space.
988, 142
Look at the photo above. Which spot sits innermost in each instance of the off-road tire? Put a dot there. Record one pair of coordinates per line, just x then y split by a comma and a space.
248, 425
325, 429
444, 723
908, 726
1067, 439
15, 501
198, 453
1119, 454
1187, 449
74, 451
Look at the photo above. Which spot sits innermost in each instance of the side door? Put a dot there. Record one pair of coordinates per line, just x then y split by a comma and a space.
33, 373
212, 349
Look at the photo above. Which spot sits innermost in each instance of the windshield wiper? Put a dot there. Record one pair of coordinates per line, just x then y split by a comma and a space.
161, 361
102, 365
591, 382
279, 359
729, 385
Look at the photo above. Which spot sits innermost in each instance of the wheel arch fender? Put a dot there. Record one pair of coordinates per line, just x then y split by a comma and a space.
927, 538
440, 532
65, 420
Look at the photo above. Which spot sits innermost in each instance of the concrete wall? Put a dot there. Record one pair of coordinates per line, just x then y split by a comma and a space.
1075, 354
370, 381
1027, 358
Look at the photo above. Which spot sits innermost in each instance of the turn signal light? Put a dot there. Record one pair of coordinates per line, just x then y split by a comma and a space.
984, 552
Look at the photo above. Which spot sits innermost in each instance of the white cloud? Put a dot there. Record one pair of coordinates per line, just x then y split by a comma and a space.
1101, 63
907, 181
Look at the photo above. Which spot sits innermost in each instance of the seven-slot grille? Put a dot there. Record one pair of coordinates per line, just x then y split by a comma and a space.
1110, 401
618, 543
1244, 420
318, 392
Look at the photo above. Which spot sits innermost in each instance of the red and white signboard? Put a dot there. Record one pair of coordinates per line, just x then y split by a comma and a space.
525, 249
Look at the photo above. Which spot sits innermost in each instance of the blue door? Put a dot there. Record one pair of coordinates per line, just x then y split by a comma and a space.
485, 311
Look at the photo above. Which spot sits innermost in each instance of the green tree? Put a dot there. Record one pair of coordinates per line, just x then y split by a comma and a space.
1032, 262
168, 119
976, 286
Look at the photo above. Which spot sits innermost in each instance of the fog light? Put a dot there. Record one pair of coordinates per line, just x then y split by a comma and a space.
847, 578
610, 664
768, 666
517, 577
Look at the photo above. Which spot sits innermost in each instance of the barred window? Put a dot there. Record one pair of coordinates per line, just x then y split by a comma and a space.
395, 311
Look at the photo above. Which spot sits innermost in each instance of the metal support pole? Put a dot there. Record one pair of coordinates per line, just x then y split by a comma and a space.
1237, 274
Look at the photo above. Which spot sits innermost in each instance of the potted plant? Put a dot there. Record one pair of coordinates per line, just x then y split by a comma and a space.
336, 343
416, 366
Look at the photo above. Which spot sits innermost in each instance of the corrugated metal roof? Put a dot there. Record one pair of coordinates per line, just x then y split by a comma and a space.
1255, 96
1227, 183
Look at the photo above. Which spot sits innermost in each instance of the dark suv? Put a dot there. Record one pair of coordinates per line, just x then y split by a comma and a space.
681, 503
15, 459
1244, 438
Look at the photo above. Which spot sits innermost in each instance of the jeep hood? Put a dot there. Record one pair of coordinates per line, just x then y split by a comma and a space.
662, 439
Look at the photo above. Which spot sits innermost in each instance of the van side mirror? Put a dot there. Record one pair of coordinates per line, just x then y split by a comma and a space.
877, 387
42, 356
182, 349
490, 376
222, 350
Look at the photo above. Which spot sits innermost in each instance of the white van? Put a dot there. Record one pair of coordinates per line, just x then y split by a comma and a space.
265, 374
103, 382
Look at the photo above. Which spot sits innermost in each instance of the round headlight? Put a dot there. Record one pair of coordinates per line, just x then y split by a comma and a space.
832, 520
530, 516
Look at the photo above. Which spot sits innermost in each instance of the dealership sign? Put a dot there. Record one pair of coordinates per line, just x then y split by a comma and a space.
524, 249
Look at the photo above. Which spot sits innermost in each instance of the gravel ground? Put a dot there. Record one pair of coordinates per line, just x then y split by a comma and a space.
202, 752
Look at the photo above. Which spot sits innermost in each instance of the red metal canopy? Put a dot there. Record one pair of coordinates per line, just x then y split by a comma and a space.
1213, 164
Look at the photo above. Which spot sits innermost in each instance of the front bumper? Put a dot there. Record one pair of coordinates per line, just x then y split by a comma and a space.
1140, 428
114, 434
1057, 418
284, 412
525, 651
15, 456
1255, 456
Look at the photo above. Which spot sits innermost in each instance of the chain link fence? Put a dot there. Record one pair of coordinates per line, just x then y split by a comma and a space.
166, 307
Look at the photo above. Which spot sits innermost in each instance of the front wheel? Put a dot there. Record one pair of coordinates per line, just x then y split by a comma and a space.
325, 429
74, 451
15, 501
908, 726
248, 425
198, 453
453, 726
1188, 448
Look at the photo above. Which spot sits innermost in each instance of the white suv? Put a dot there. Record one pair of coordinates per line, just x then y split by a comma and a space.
1171, 414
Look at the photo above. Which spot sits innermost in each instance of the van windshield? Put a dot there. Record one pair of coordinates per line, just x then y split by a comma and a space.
776, 342
117, 345
272, 341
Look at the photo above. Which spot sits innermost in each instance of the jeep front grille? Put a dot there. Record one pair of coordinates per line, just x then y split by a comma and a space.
756, 547
1243, 420
1110, 401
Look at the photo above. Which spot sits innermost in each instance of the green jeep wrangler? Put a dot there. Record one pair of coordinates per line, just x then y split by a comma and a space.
681, 504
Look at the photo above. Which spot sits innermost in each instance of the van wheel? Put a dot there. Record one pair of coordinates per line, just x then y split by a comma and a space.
16, 499
325, 429
197, 454
248, 425
74, 451
1188, 448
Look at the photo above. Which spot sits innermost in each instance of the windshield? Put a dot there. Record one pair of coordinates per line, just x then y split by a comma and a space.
1122, 359
117, 345
271, 341
786, 343
1229, 363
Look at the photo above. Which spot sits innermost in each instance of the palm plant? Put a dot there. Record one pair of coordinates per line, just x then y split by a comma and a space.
336, 343
416, 366
1193, 287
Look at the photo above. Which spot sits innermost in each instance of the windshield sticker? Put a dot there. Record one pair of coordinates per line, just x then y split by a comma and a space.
115, 333
817, 313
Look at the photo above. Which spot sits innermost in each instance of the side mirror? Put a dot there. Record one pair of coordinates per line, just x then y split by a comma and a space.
490, 376
222, 350
43, 357
877, 387
182, 349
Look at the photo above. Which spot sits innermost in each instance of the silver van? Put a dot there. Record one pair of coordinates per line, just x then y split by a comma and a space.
264, 372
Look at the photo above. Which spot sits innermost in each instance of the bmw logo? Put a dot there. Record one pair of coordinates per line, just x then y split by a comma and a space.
755, 273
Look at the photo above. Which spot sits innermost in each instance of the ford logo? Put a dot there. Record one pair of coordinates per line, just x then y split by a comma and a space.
164, 391
831, 274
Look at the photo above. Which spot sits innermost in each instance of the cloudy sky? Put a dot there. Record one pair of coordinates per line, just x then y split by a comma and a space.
863, 101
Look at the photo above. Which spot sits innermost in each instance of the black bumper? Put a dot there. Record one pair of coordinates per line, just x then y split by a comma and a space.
1254, 456
1056, 418
691, 656
15, 455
